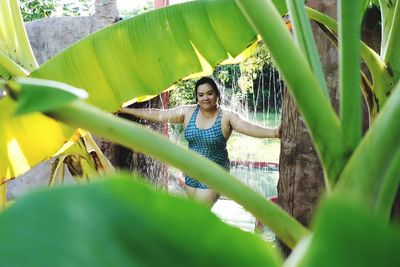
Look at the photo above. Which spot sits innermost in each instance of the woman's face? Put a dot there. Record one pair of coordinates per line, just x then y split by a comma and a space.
206, 97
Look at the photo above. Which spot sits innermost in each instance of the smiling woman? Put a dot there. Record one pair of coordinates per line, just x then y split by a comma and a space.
208, 126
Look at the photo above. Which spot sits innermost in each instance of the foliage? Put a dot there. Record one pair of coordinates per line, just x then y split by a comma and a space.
251, 67
358, 191
77, 8
33, 10
183, 94
122, 222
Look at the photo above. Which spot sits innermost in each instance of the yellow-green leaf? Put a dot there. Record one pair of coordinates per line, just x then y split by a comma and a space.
26, 140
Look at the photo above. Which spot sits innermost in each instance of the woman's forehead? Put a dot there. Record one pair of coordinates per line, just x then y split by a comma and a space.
204, 88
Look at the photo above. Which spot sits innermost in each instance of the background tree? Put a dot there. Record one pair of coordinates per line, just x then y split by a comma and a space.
36, 9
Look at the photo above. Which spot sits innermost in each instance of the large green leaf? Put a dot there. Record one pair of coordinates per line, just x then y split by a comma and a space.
121, 222
140, 56
27, 140
347, 234
32, 100
147, 54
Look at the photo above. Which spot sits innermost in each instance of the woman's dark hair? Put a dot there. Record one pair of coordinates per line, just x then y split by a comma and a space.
211, 82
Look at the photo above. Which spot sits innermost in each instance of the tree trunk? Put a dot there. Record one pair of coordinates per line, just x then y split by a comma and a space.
301, 179
106, 9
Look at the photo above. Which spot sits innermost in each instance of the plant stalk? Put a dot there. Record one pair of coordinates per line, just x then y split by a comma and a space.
304, 86
383, 81
137, 137
305, 39
349, 71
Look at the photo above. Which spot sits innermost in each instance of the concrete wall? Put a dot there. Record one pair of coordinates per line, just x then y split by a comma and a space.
50, 36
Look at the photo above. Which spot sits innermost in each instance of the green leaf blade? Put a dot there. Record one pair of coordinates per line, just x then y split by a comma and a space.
349, 70
20, 151
366, 174
122, 222
36, 95
346, 234
391, 51
147, 54
386, 196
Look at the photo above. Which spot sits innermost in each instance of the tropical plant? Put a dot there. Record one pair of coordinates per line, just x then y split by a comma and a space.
359, 194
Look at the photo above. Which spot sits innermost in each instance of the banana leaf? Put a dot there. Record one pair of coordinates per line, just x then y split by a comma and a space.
141, 56
347, 234
122, 222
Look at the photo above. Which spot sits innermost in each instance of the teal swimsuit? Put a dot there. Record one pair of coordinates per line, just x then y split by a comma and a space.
209, 143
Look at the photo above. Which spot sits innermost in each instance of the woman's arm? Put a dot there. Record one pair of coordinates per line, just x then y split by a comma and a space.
244, 127
175, 115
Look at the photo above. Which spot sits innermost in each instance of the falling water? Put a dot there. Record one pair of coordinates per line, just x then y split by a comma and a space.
254, 161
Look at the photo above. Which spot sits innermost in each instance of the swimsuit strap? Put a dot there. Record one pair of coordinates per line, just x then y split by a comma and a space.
194, 116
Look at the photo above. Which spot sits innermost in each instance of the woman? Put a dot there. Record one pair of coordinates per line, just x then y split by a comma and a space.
207, 129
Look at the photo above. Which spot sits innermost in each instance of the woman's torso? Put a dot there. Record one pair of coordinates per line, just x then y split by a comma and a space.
206, 136
204, 123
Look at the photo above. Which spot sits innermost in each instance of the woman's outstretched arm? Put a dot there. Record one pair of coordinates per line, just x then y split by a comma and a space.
175, 115
244, 127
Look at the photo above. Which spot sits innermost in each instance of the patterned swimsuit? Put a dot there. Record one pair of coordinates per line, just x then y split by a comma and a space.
209, 143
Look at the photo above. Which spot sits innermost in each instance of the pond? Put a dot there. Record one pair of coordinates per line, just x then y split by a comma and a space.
262, 180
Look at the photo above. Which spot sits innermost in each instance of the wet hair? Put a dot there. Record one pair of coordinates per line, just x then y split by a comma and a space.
211, 82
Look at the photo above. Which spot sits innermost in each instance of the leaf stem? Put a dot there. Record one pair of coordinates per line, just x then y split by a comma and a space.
137, 137
303, 84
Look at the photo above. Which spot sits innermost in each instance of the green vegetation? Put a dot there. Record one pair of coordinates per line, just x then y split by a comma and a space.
123, 223
35, 9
